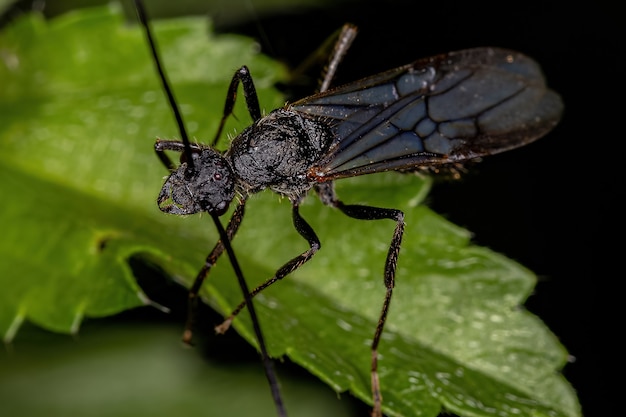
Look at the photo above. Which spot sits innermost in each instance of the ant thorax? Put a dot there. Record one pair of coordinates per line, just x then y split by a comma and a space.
277, 151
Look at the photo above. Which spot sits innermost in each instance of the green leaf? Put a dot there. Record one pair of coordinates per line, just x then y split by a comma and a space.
80, 107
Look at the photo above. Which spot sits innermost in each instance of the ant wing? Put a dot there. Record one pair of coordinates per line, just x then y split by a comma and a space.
445, 109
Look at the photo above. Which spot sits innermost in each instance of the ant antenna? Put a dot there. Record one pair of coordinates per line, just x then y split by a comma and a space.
267, 362
143, 19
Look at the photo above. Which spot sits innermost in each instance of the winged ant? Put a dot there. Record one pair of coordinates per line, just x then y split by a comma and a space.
435, 112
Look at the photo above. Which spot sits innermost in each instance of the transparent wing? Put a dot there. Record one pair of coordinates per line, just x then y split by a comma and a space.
439, 110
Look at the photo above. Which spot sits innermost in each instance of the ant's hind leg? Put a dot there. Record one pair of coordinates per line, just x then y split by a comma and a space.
328, 197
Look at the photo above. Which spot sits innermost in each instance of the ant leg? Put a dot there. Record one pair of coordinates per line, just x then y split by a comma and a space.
328, 197
160, 146
339, 42
249, 91
346, 37
211, 259
242, 75
307, 232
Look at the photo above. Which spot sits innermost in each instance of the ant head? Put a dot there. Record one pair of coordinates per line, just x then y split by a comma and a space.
208, 186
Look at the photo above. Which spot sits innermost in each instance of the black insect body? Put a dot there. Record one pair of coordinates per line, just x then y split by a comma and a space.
276, 152
442, 110
435, 112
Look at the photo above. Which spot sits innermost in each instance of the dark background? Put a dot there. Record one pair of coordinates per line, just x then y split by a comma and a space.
555, 205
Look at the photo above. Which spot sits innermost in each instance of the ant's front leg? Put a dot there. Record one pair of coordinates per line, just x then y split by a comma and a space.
160, 146
211, 259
